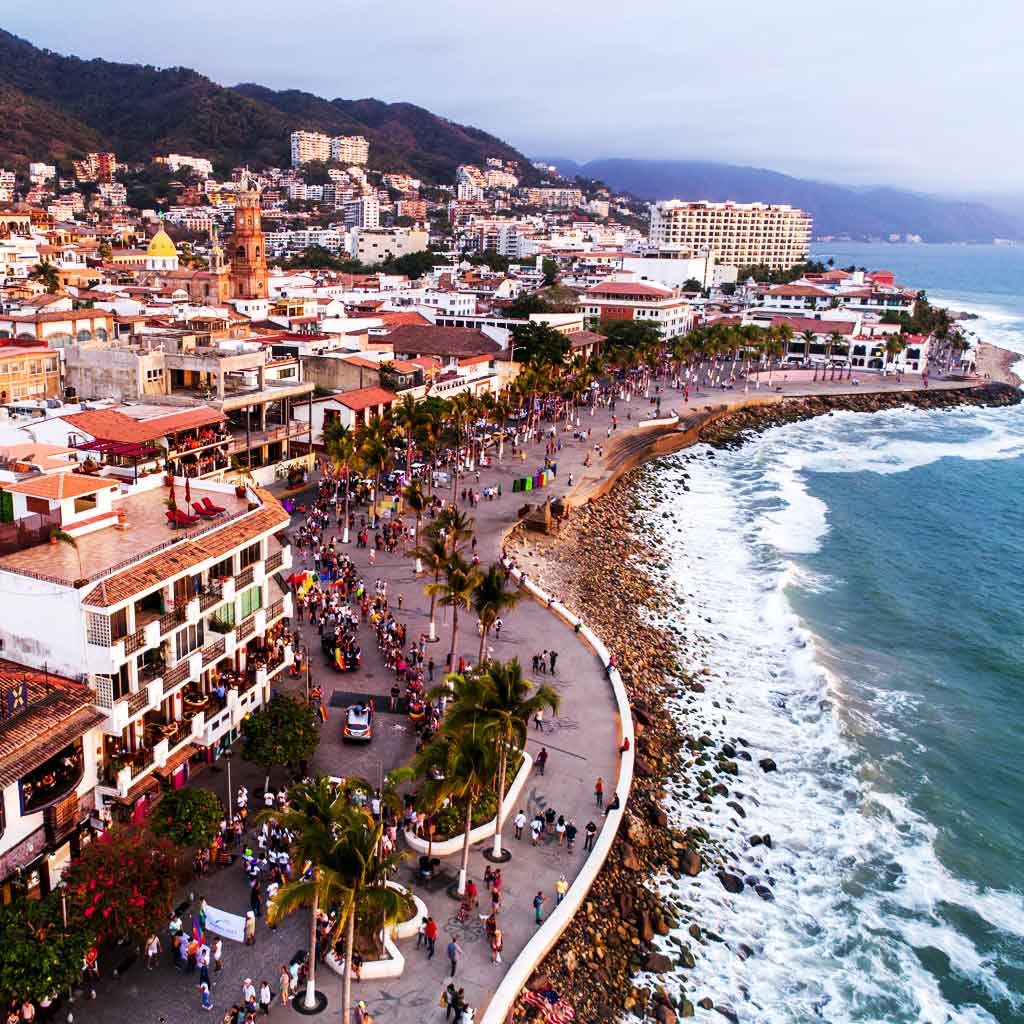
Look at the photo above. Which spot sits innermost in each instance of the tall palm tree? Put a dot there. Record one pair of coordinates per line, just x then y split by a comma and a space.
502, 702
407, 417
46, 274
314, 813
457, 527
432, 553
374, 440
455, 591
467, 761
501, 412
808, 339
416, 502
835, 338
341, 450
492, 598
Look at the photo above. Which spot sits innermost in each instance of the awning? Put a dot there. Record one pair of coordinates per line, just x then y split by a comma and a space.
175, 761
149, 784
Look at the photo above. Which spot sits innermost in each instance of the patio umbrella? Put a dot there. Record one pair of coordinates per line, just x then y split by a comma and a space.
188, 492
170, 497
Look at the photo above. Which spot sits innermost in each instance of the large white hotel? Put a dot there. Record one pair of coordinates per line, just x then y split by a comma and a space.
739, 234
343, 149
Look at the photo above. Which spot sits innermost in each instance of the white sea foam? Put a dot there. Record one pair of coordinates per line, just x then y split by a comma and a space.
859, 888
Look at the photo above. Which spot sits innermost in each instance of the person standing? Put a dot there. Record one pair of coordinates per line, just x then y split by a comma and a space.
518, 824
570, 834
203, 959
283, 984
591, 831
552, 657
542, 760
538, 720
250, 928
266, 997
538, 907
450, 1001
496, 944
431, 933
561, 888
472, 896
218, 952
205, 1002
454, 952
599, 791
152, 951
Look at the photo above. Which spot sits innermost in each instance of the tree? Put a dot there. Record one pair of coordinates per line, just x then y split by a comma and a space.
41, 956
62, 537
432, 553
316, 257
283, 732
46, 274
539, 345
188, 817
341, 450
492, 598
455, 591
691, 284
631, 334
316, 812
416, 502
527, 304
467, 763
406, 415
123, 885
550, 269
499, 700
414, 264
374, 447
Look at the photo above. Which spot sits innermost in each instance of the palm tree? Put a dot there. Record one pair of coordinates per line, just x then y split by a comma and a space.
501, 412
416, 501
894, 345
491, 599
433, 553
835, 338
374, 440
501, 700
455, 591
60, 537
457, 527
341, 450
467, 761
808, 339
46, 274
407, 416
315, 812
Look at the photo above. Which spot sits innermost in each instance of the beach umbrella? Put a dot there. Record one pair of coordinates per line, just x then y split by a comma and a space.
188, 492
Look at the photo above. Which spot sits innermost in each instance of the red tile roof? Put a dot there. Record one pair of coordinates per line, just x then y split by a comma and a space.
112, 425
364, 398
797, 290
441, 341
621, 288
58, 486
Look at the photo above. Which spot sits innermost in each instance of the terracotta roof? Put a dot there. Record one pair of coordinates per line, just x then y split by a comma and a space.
797, 290
113, 425
442, 341
581, 338
403, 319
181, 557
823, 327
58, 486
59, 711
75, 314
629, 288
364, 398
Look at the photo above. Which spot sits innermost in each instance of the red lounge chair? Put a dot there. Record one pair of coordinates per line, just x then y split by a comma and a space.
182, 519
171, 519
204, 513
210, 507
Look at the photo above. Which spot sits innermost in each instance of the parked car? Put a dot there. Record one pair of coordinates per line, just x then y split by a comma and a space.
358, 724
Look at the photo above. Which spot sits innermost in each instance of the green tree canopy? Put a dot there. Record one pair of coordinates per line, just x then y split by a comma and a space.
540, 344
631, 334
414, 264
526, 305
550, 268
283, 732
188, 817
39, 958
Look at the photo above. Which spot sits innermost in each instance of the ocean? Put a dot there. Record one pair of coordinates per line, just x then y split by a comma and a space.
851, 588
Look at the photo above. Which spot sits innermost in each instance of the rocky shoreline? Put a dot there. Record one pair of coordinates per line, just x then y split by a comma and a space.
601, 566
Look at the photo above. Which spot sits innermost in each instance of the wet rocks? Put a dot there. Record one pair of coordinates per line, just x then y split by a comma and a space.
767, 765
730, 882
657, 963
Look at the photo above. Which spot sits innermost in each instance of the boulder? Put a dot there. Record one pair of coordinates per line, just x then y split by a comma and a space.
731, 883
689, 862
728, 1013
755, 840
738, 808
538, 983
705, 1003
658, 818
768, 765
665, 1014
658, 963
767, 840
644, 926
686, 1008
629, 859
765, 893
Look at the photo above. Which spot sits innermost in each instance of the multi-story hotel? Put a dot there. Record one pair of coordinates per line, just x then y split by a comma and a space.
344, 149
153, 641
739, 234
623, 297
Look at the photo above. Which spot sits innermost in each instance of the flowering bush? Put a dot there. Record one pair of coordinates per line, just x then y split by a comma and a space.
123, 884
188, 817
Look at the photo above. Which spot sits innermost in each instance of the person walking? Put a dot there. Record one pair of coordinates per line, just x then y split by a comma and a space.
431, 933
552, 658
542, 760
421, 934
284, 984
454, 952
450, 1000
496, 944
250, 928
536, 828
518, 824
203, 960
218, 952
538, 720
205, 1002
570, 834
590, 831
599, 792
152, 951
538, 907
560, 827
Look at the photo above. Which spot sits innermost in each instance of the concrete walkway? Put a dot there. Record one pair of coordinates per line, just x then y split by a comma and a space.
582, 742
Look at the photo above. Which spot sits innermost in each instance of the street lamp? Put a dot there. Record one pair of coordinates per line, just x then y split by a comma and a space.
226, 754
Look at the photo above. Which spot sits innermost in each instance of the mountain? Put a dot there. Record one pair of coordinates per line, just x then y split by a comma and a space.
70, 105
874, 211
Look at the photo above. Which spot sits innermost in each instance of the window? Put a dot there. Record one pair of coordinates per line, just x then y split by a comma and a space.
119, 625
251, 600
188, 640
85, 503
98, 629
250, 555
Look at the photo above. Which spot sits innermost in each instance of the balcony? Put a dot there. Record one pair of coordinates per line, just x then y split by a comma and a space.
274, 562
53, 779
213, 651
245, 578
174, 677
213, 594
245, 629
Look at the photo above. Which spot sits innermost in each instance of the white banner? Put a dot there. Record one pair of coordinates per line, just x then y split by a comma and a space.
230, 926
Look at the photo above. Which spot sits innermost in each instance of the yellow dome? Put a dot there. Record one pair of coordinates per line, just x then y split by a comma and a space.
161, 245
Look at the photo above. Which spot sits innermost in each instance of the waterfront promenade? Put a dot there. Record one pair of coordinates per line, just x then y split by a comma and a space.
582, 743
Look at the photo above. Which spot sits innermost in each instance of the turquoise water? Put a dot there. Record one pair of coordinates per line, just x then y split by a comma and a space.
857, 595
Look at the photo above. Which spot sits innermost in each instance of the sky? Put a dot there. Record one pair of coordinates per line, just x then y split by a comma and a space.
927, 94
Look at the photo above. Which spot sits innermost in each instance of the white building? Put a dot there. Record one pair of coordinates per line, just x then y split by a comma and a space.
374, 245
310, 146
350, 149
363, 212
200, 165
741, 234
623, 297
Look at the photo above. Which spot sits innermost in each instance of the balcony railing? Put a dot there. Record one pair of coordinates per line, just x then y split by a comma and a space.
138, 701
134, 641
245, 629
171, 619
274, 562
211, 652
175, 676
213, 595
244, 578
182, 732
275, 610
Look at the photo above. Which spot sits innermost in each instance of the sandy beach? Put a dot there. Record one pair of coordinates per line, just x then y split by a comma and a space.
997, 363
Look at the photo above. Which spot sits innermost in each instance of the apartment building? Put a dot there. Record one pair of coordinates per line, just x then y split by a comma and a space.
363, 212
175, 161
374, 245
739, 234
621, 297
350, 149
552, 198
171, 630
28, 372
308, 147
95, 167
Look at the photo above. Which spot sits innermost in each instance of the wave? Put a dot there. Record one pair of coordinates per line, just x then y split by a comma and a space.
867, 923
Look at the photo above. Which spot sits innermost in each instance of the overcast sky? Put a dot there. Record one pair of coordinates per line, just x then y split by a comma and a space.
923, 93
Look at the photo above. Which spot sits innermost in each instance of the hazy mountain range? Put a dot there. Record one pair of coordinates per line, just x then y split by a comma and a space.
873, 211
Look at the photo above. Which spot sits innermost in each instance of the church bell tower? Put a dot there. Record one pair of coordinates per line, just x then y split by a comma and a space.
248, 256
